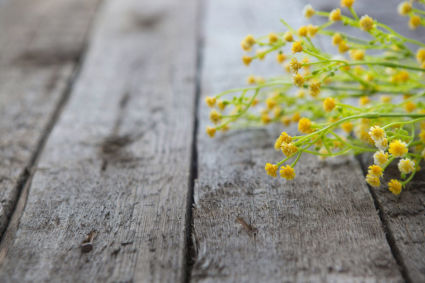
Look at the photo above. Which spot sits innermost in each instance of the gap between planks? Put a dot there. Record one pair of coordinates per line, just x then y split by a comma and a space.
190, 252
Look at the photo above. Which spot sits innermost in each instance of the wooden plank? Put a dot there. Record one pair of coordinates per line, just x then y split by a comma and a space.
40, 44
320, 227
403, 218
118, 162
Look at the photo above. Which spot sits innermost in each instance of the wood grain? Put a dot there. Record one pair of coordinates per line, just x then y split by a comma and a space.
40, 44
321, 227
117, 164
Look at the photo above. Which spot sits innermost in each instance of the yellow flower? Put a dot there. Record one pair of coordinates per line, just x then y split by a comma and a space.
357, 55
402, 76
273, 37
410, 106
335, 15
288, 36
347, 127
343, 47
420, 55
215, 116
375, 170
406, 166
260, 54
329, 104
287, 172
296, 117
288, 148
377, 133
323, 150
398, 148
414, 21
304, 62
277, 111
312, 30
395, 186
337, 39
406, 96
285, 137
347, 3
221, 104
294, 65
251, 80
248, 42
304, 125
271, 169
250, 39
364, 100
302, 31
373, 180
366, 23
211, 131
422, 135
404, 8
361, 132
308, 11
210, 101
386, 99
382, 144
298, 80
314, 89
245, 46
265, 118
380, 158
286, 121
287, 67
280, 57
271, 102
246, 60
297, 47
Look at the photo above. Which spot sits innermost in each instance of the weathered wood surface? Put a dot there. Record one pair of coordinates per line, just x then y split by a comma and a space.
40, 45
403, 217
118, 161
321, 227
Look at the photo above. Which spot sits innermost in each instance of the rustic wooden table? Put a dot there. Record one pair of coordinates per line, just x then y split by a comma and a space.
106, 174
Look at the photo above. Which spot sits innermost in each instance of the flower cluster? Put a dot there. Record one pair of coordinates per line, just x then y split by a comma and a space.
384, 72
415, 20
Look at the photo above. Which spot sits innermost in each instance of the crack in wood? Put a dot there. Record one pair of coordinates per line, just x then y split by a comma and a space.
190, 248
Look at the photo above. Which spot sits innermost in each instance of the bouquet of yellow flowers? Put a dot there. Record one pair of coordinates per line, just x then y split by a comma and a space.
383, 70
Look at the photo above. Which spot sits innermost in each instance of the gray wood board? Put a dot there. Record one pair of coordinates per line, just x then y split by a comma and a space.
40, 44
118, 161
322, 226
